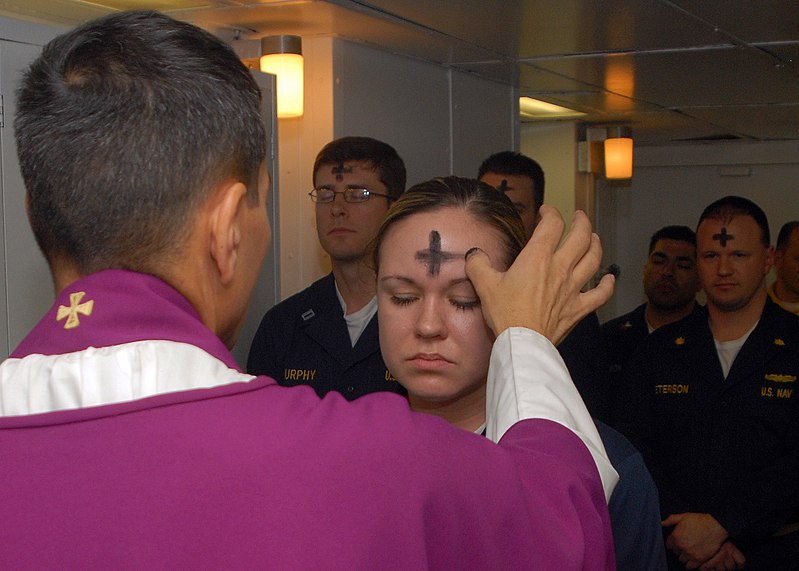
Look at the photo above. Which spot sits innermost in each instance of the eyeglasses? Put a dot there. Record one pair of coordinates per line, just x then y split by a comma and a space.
324, 195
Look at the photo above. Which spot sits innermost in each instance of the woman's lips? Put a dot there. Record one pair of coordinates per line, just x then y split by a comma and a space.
339, 231
429, 361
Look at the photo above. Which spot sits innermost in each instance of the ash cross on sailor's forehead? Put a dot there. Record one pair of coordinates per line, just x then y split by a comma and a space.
340, 169
433, 256
723, 238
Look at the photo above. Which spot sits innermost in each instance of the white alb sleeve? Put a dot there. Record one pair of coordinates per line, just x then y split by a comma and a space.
528, 379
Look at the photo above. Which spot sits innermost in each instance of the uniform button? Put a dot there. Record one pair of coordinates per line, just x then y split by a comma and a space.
350, 389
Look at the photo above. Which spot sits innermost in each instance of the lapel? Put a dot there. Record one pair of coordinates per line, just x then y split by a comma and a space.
769, 339
368, 342
691, 343
326, 326
704, 355
639, 330
323, 321
638, 318
329, 330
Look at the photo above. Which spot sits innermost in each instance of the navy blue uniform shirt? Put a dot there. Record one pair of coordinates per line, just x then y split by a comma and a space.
304, 341
727, 447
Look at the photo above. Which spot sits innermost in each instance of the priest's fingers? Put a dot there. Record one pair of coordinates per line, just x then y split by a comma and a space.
578, 257
549, 230
525, 294
486, 281
541, 290
578, 240
586, 267
583, 304
597, 296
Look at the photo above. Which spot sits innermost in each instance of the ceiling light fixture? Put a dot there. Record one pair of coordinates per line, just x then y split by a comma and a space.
619, 153
282, 56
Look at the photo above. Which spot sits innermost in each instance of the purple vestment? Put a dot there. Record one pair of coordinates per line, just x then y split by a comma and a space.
248, 474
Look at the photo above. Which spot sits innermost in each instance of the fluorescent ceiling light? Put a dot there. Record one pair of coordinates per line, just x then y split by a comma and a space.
535, 109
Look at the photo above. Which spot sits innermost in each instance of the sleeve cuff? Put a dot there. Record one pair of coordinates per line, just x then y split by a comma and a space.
528, 379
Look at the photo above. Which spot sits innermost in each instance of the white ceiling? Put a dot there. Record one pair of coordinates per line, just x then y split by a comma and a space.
674, 70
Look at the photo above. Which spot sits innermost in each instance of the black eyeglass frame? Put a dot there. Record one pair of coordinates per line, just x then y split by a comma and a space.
347, 192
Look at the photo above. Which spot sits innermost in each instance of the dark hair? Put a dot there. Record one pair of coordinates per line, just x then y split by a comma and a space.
512, 163
379, 155
681, 233
478, 199
124, 125
784, 237
725, 209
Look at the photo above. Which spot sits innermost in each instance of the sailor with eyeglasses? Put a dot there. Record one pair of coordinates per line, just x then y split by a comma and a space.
326, 335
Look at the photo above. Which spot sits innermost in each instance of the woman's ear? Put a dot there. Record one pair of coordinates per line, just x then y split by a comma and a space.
225, 219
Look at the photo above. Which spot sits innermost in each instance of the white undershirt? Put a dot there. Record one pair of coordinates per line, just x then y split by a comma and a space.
728, 350
357, 322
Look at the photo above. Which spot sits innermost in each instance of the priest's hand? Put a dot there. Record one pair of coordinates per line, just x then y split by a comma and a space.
542, 289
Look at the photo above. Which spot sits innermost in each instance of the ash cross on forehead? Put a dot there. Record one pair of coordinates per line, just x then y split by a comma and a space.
503, 186
723, 238
433, 256
340, 169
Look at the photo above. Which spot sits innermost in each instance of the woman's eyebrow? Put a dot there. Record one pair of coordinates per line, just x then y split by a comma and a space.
399, 277
410, 281
458, 281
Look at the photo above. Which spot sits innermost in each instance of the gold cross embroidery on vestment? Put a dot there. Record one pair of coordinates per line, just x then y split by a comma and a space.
75, 307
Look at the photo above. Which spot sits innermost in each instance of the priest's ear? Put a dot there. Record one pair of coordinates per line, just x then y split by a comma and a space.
225, 225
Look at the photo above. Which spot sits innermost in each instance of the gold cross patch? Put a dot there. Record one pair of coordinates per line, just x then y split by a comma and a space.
75, 307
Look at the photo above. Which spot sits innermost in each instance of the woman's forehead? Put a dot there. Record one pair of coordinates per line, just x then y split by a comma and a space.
435, 239
441, 232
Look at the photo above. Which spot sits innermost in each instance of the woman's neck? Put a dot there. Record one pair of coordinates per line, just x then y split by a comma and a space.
467, 411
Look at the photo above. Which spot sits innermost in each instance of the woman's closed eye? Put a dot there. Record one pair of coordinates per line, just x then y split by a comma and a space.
398, 299
464, 304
